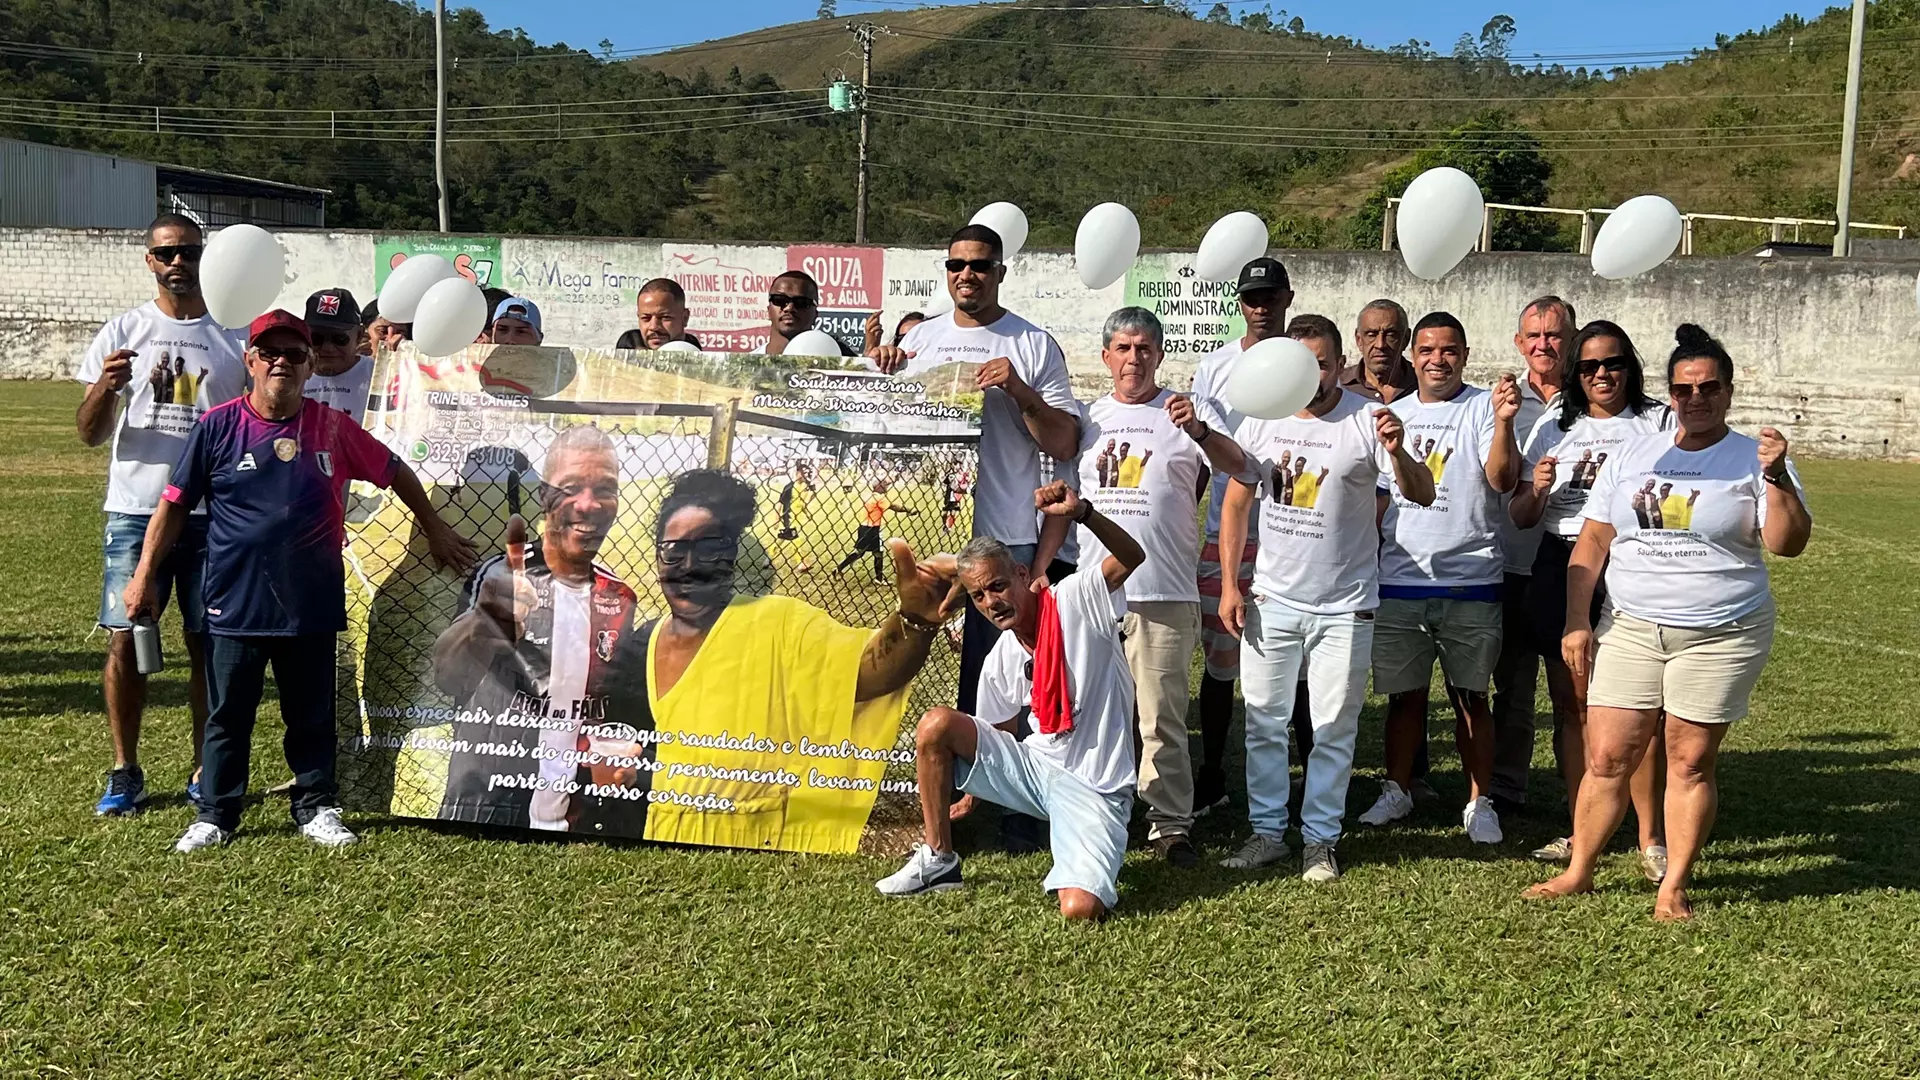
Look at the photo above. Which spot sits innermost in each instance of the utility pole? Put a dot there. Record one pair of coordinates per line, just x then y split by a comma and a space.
1843, 210
440, 109
863, 33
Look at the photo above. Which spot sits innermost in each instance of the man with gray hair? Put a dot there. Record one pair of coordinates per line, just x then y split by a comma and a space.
1546, 326
1153, 492
1058, 655
1381, 372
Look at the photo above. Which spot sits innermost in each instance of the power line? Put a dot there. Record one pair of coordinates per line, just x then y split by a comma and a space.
1545, 97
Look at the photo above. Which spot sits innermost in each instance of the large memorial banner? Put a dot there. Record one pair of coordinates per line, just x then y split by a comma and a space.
570, 683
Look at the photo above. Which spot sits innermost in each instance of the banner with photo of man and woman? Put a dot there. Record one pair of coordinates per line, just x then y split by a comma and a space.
674, 637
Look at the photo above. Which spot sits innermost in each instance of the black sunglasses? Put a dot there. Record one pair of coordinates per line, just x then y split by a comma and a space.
782, 300
1683, 391
978, 266
292, 354
332, 337
166, 253
704, 549
1614, 364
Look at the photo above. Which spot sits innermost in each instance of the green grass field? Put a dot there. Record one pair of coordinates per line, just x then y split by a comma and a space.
432, 951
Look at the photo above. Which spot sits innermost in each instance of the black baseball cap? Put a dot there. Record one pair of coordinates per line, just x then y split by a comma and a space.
1263, 273
333, 307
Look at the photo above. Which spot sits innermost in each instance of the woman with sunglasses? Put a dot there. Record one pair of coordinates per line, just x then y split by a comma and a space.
1602, 406
1691, 611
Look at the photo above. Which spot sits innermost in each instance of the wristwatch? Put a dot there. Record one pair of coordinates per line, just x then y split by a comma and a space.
1206, 430
1784, 480
1086, 511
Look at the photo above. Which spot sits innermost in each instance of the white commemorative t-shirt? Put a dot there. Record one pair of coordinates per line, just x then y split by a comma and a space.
1317, 507
1011, 465
346, 391
1209, 383
184, 368
1099, 749
1686, 549
1456, 541
1582, 451
1521, 545
1139, 469
568, 650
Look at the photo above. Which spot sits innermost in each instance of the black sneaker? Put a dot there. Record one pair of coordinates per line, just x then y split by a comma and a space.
1178, 851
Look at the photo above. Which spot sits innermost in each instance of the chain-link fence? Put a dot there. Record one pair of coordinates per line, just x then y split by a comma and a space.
826, 499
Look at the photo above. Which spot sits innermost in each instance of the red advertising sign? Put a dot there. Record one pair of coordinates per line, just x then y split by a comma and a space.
850, 278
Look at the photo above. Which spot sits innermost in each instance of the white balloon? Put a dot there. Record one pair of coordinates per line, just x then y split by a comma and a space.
240, 274
1232, 243
1106, 245
1274, 379
679, 346
448, 317
1639, 235
813, 343
1009, 221
400, 296
1439, 221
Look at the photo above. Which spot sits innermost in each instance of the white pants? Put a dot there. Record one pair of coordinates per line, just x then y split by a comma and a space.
1336, 651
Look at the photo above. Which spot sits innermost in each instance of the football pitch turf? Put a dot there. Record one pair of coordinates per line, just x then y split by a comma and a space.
435, 950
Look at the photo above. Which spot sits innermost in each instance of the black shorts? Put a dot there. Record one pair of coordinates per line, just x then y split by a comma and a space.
1547, 595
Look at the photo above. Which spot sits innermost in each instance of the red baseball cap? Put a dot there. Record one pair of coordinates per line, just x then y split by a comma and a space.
279, 319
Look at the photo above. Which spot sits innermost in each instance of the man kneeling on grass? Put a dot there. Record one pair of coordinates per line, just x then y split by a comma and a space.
1062, 659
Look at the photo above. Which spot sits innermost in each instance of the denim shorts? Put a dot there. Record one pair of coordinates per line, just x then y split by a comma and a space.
179, 575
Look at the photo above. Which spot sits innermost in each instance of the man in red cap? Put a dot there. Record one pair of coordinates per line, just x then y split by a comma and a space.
271, 468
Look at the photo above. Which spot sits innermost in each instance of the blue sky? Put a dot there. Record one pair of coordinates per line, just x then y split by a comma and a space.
1619, 25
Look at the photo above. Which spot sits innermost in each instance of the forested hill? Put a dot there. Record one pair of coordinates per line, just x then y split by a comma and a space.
1180, 117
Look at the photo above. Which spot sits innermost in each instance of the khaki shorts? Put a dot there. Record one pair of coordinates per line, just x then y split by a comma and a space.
1408, 634
1702, 675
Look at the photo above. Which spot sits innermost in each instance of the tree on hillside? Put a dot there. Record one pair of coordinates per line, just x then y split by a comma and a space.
827, 9
1504, 159
1261, 21
1297, 27
1464, 50
1496, 38
1218, 13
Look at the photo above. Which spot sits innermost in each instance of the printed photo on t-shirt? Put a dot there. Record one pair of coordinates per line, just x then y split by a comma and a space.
1292, 482
1436, 458
173, 390
1661, 504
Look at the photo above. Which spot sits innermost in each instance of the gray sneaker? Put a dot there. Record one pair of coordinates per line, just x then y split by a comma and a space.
1318, 863
1259, 850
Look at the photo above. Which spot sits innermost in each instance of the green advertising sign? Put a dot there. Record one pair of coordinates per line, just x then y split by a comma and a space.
476, 257
1199, 316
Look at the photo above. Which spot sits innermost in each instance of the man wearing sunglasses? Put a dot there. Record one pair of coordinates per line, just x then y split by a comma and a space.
150, 373
793, 307
271, 469
1028, 410
341, 377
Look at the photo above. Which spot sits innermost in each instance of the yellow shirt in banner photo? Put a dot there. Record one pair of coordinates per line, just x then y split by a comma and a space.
764, 717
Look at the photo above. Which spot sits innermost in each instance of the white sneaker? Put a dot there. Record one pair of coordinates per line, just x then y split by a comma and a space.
926, 871
1318, 864
201, 834
1482, 822
1259, 850
326, 829
1555, 851
1393, 804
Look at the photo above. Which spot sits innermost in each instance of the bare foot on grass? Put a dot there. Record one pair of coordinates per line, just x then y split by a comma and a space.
1567, 884
1674, 907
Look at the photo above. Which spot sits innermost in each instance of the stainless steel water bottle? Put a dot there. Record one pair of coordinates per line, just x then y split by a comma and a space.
146, 647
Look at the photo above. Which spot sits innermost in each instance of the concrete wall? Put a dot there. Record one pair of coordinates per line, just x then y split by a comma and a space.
1827, 350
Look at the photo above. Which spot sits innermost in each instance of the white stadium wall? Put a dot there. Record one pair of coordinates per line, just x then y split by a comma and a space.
1827, 349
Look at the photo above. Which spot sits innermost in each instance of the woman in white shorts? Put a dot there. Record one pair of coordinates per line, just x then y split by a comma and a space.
1679, 522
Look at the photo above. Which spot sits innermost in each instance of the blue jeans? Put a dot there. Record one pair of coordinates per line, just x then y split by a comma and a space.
1335, 651
179, 573
236, 678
